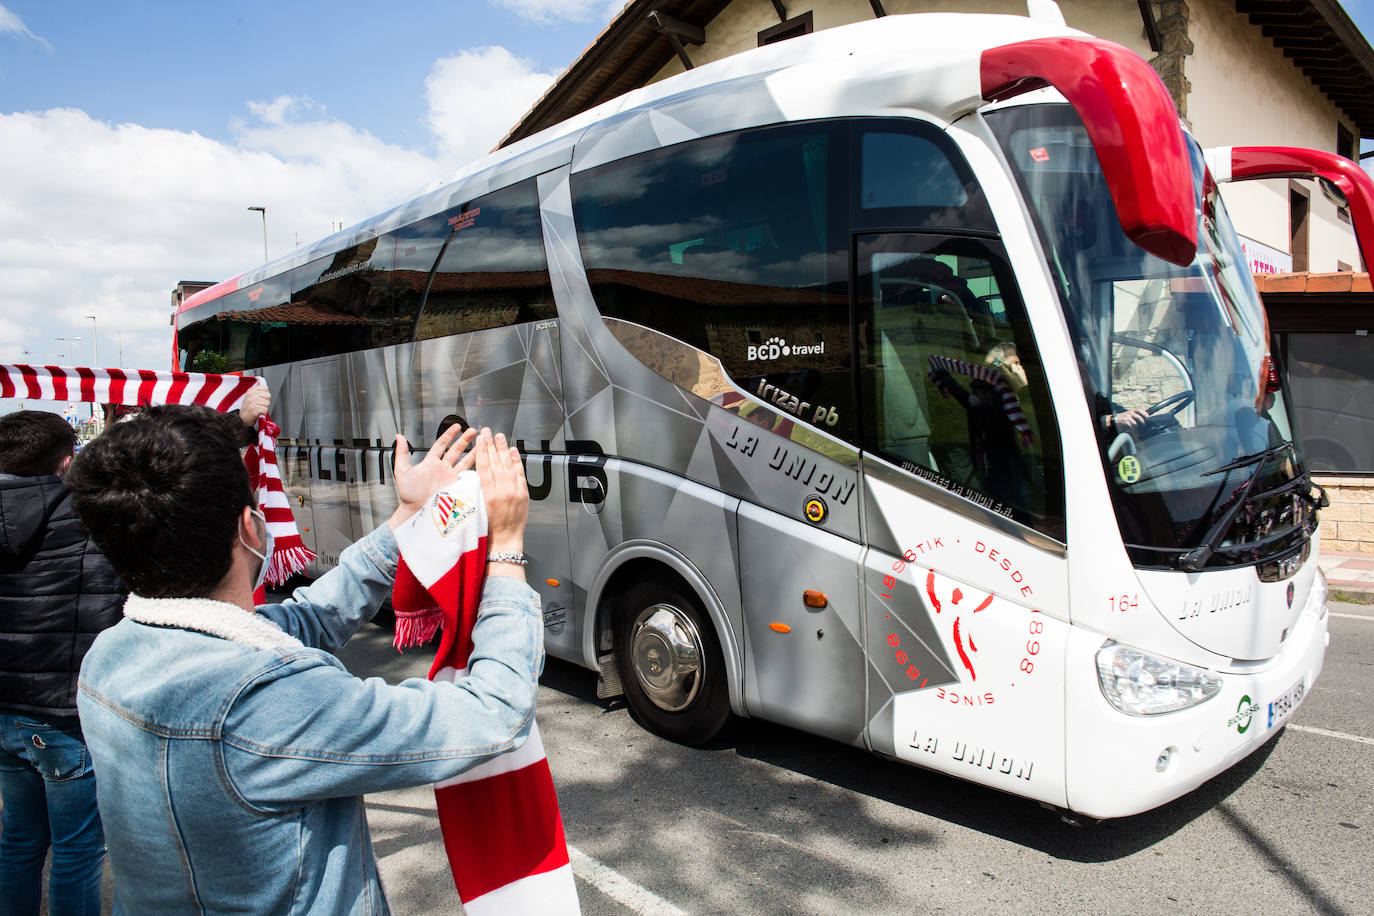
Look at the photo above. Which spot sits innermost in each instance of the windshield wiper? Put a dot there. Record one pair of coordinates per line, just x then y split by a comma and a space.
1195, 559
1245, 460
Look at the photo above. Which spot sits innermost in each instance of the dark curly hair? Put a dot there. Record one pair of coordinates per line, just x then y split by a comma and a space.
161, 494
34, 442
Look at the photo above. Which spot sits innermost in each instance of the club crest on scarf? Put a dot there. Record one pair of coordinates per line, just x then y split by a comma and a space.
449, 511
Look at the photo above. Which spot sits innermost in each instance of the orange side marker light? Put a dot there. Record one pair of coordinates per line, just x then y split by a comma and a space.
815, 599
779, 628
552, 582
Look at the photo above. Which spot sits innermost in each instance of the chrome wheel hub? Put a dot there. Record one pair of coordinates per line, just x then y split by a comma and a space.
666, 656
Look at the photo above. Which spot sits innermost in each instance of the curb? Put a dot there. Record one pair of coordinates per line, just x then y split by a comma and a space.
1349, 593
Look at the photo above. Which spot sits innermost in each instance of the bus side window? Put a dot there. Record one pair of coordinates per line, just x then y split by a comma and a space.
953, 390
721, 264
343, 302
491, 272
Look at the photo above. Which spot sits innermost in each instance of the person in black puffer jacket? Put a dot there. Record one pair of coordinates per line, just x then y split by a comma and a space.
57, 592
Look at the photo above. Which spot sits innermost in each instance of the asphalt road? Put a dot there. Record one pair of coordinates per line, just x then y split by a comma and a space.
770, 820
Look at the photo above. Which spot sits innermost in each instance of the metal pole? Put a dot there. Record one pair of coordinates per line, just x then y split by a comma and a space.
71, 361
95, 347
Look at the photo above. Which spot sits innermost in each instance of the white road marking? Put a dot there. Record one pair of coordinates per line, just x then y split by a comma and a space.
1353, 616
620, 888
1359, 739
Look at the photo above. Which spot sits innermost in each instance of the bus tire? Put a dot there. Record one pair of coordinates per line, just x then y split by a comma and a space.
671, 666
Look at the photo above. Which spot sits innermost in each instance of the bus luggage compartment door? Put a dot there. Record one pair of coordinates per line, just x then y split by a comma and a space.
804, 663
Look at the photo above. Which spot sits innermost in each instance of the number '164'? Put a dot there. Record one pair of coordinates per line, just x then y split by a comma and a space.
1123, 603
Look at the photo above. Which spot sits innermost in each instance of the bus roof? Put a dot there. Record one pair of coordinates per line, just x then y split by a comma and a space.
929, 63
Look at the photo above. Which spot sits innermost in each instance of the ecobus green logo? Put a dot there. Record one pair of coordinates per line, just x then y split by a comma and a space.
1244, 710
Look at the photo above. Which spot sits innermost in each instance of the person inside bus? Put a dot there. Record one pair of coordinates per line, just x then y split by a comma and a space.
997, 457
58, 592
232, 748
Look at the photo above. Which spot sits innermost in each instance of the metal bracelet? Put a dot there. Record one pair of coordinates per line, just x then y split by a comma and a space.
509, 557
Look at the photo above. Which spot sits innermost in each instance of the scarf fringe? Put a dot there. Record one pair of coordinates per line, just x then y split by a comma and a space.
415, 628
287, 560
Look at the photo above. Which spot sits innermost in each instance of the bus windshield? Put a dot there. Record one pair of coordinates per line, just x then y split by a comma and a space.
1194, 430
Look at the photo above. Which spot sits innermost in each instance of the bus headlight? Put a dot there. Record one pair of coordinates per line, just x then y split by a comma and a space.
1140, 684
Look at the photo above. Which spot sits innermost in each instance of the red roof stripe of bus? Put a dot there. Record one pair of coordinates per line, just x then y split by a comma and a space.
1131, 121
1292, 162
213, 292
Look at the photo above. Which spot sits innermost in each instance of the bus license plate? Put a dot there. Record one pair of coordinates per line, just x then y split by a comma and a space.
1281, 708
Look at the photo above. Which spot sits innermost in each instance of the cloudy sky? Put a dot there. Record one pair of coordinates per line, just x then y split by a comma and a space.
135, 135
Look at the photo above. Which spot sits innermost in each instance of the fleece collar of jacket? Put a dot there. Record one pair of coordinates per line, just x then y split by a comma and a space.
216, 618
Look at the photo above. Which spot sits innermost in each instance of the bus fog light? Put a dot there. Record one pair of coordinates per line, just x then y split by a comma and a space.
1162, 761
1140, 684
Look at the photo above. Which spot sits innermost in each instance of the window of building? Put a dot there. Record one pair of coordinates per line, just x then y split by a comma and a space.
491, 270
791, 28
952, 385
721, 265
1333, 399
1299, 208
1345, 142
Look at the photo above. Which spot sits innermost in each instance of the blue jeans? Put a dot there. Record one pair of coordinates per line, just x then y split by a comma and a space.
47, 788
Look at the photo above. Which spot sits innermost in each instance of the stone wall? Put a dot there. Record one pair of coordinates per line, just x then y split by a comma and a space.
1348, 523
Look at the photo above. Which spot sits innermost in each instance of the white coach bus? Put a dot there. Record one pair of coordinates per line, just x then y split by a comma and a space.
902, 383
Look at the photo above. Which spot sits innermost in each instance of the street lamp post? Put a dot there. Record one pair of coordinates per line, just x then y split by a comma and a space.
95, 349
70, 360
263, 211
95, 343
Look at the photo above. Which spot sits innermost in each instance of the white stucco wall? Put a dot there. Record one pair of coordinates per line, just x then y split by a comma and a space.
1244, 92
736, 27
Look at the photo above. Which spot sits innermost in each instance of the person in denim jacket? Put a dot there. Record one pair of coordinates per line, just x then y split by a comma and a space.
232, 749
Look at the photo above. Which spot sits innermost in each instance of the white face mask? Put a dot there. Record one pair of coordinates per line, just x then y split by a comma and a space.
265, 557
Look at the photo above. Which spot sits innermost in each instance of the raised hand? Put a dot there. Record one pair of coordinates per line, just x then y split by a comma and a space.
415, 484
255, 403
507, 496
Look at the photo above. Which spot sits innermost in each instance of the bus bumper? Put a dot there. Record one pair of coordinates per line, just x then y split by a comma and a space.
1117, 765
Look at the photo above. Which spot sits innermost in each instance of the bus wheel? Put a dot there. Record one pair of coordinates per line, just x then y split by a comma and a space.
671, 664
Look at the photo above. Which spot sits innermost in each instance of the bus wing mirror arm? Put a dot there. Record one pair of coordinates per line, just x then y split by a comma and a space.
1131, 121
1245, 163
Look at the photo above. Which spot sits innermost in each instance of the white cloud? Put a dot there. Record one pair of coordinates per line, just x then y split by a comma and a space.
11, 23
546, 12
104, 219
475, 98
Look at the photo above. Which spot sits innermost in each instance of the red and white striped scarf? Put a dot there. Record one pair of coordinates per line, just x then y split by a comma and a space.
144, 387
502, 828
1011, 404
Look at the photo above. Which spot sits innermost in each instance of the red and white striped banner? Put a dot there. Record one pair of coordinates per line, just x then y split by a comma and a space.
502, 828
145, 387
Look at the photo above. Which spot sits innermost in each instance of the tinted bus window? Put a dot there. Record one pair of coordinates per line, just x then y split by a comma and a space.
344, 302
199, 347
491, 270
952, 384
910, 176
732, 247
254, 324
